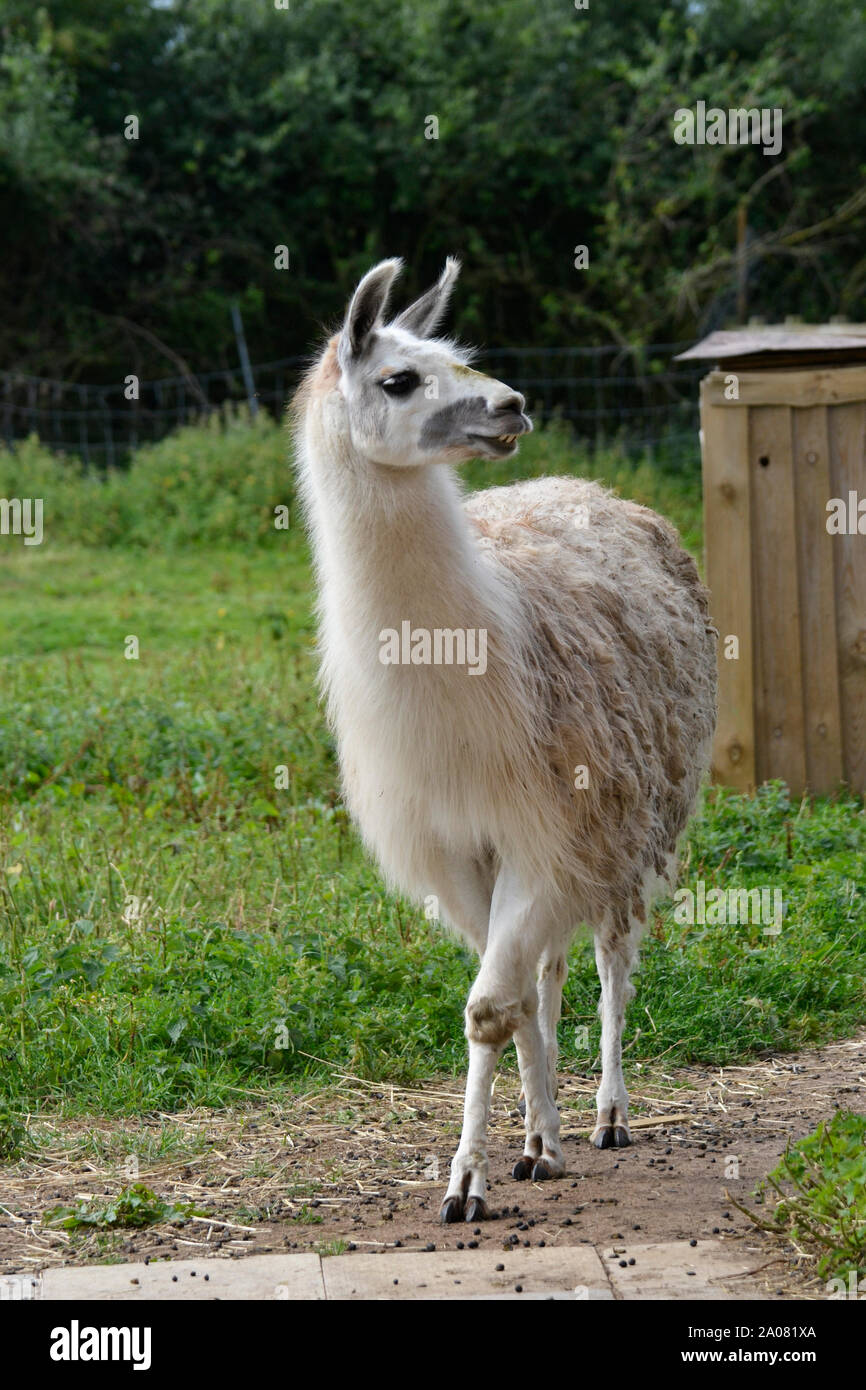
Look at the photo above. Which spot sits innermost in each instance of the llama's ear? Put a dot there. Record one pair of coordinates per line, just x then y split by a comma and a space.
422, 316
367, 306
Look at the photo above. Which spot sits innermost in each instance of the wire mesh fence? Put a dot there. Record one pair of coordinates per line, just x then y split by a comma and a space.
632, 396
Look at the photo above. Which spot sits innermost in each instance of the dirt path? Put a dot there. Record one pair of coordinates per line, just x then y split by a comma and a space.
355, 1167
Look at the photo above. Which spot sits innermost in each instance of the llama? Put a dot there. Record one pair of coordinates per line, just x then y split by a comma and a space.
547, 790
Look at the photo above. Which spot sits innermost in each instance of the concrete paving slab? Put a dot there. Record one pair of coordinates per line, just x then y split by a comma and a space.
254, 1277
673, 1270
462, 1274
676, 1269
557, 1296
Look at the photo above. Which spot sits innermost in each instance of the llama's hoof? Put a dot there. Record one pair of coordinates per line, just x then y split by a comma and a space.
522, 1168
611, 1137
451, 1210
541, 1170
476, 1209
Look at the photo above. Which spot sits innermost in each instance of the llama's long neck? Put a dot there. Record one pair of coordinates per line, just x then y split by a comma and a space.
425, 746
394, 545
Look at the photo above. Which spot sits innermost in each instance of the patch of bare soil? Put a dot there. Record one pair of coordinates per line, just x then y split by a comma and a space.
363, 1166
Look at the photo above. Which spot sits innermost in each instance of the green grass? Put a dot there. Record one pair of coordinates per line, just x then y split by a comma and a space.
176, 931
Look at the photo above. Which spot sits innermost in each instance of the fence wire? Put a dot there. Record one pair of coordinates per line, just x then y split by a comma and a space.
632, 396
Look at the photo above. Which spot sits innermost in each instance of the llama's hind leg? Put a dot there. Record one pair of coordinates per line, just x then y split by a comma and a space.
503, 1002
615, 951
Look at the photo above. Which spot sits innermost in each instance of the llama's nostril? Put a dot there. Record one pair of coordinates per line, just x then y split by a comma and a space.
511, 405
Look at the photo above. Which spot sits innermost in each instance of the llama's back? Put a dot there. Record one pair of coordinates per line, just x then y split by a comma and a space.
624, 658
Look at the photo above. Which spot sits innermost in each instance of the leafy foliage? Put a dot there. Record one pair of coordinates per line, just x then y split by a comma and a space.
217, 483
308, 128
820, 1187
135, 1207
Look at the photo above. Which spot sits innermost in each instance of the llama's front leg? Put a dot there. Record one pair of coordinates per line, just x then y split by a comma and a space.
494, 1011
614, 955
466, 1198
502, 1003
552, 975
537, 1051
542, 1153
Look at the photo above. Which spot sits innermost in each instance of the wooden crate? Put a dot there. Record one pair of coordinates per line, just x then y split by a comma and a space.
792, 701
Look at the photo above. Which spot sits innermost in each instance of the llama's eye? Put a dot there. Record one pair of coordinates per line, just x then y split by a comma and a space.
401, 383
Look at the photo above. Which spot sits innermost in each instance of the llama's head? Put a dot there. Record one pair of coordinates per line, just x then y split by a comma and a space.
410, 398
